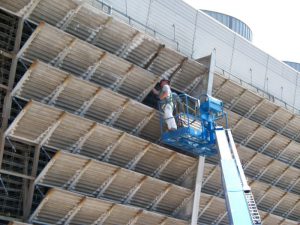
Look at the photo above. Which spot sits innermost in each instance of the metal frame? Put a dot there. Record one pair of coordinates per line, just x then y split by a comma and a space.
248, 117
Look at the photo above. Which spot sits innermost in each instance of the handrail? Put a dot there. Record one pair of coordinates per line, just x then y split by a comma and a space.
270, 97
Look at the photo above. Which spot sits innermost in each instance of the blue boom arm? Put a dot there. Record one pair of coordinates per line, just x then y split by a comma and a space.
198, 134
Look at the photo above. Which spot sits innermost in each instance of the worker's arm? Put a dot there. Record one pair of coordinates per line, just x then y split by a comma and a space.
163, 95
156, 92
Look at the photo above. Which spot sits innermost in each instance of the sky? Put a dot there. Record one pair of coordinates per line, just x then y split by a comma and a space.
275, 24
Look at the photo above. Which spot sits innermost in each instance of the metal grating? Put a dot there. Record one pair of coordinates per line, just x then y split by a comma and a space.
97, 141
87, 62
245, 130
61, 206
41, 81
106, 181
244, 103
75, 129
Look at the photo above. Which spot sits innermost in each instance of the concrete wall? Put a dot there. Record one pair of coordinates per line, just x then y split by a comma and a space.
195, 34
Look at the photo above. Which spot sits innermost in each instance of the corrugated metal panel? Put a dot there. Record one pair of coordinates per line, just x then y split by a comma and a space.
13, 6
250, 71
280, 87
138, 11
62, 206
102, 180
217, 30
216, 33
27, 127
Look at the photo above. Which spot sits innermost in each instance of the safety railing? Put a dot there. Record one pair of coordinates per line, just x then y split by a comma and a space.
186, 112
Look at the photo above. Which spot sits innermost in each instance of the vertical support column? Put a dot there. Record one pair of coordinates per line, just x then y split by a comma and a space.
197, 191
211, 72
28, 197
201, 160
8, 98
205, 86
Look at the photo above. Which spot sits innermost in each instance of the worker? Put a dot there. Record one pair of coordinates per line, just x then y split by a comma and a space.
165, 95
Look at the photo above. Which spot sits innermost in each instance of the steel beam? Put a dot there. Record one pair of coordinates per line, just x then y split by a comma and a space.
29, 196
286, 124
47, 167
87, 104
182, 179
153, 57
274, 207
78, 145
134, 219
208, 204
177, 68
51, 99
28, 9
97, 33
157, 200
136, 131
161, 168
11, 80
131, 44
104, 216
194, 84
268, 120
70, 215
17, 89
43, 138
238, 123
100, 191
6, 54
87, 75
40, 206
249, 138
164, 221
116, 86
254, 108
182, 210
267, 144
289, 212
295, 160
240, 97
131, 165
211, 72
264, 195
210, 175
221, 87
221, 217
275, 182
74, 180
15, 174
296, 136
30, 39
142, 96
134, 190
4, 87
198, 186
247, 164
291, 186
109, 150
114, 116
65, 22
56, 62
274, 160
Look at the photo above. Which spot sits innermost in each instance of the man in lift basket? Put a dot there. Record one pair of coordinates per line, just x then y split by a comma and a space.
167, 106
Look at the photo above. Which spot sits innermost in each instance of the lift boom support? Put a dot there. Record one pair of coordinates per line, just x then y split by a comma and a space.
197, 134
240, 203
